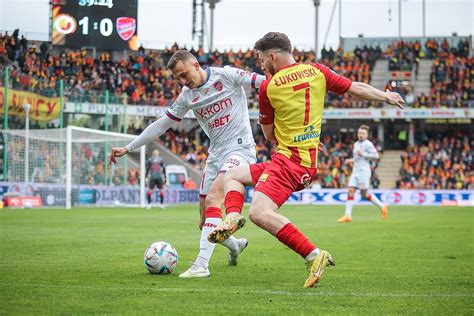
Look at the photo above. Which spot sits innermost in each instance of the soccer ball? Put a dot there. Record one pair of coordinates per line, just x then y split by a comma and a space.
161, 258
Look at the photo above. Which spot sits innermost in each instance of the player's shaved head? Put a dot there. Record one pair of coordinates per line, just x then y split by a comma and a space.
364, 127
180, 55
274, 41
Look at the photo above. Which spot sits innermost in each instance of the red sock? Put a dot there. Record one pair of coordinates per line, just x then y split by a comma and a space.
234, 201
294, 239
213, 212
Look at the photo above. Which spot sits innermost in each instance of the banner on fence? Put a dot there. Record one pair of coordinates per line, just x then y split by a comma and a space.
55, 194
391, 197
329, 113
42, 108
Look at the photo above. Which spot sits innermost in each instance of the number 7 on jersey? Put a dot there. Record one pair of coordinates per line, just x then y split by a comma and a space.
305, 86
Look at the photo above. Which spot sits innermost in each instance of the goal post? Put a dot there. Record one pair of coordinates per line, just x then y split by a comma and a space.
69, 167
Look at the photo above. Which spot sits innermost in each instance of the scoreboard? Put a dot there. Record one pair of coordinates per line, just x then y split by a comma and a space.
105, 24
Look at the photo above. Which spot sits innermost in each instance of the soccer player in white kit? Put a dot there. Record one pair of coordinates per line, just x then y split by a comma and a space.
363, 152
218, 100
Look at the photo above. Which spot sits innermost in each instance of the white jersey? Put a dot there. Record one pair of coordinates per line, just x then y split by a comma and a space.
369, 152
220, 107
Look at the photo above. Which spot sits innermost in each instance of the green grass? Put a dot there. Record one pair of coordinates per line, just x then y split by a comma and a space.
420, 261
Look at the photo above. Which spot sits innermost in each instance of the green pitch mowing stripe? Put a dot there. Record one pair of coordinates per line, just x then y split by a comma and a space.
419, 261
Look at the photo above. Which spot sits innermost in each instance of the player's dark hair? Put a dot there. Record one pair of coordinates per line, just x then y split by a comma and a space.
274, 40
365, 127
179, 55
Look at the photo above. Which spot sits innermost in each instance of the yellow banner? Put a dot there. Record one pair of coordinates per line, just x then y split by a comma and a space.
42, 108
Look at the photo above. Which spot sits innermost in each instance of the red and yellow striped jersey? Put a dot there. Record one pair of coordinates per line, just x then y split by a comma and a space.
293, 100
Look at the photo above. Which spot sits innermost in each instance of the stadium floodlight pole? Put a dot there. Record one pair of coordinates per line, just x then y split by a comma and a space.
316, 22
212, 6
400, 18
27, 141
5, 123
424, 18
340, 23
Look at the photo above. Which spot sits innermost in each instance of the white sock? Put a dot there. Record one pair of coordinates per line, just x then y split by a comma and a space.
349, 204
313, 254
375, 200
231, 244
206, 248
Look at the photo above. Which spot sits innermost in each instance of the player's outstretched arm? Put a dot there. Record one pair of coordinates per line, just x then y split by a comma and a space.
364, 91
154, 130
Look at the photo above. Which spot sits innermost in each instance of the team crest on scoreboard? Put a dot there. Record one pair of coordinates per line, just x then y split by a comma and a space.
126, 27
218, 85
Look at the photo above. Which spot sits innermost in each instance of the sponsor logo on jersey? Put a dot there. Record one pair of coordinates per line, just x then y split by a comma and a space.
309, 133
205, 91
219, 122
196, 98
218, 85
309, 129
208, 111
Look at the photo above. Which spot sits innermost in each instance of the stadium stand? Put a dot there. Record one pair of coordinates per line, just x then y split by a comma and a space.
143, 78
440, 162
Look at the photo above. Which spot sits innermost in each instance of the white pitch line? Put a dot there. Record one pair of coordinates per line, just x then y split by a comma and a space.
309, 292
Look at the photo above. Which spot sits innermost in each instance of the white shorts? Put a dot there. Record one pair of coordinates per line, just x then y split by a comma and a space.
360, 179
213, 169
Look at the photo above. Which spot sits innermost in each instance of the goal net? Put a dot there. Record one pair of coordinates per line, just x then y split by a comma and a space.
69, 167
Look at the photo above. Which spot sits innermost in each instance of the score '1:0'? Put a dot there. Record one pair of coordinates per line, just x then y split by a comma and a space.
106, 27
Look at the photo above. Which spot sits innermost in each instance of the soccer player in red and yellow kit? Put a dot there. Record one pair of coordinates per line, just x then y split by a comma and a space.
291, 111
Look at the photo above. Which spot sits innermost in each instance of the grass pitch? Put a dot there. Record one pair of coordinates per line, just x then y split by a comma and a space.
419, 261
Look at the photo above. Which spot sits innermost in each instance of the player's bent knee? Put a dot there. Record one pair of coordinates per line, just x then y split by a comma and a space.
256, 218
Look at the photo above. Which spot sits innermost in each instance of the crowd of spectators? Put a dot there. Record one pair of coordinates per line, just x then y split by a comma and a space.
142, 77
451, 74
442, 162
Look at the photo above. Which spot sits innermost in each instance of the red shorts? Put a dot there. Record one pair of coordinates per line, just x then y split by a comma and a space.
279, 178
